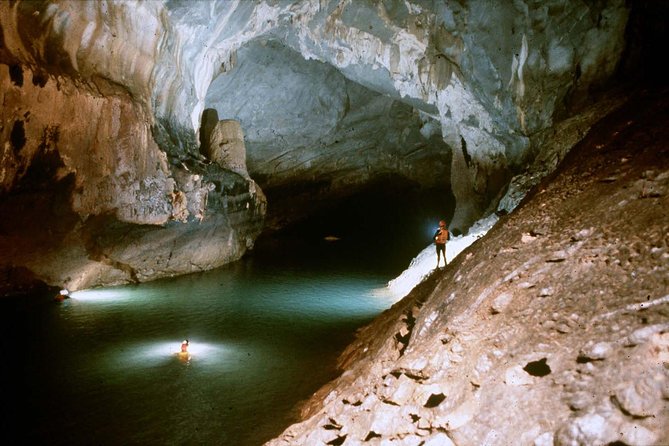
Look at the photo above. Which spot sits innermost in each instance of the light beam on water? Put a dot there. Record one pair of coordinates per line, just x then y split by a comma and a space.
104, 364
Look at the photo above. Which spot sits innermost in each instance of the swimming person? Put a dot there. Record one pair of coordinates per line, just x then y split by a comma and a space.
183, 354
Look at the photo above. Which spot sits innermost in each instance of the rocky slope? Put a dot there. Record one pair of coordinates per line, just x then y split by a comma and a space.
551, 330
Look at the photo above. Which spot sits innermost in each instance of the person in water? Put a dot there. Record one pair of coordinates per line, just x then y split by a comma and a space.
183, 354
440, 239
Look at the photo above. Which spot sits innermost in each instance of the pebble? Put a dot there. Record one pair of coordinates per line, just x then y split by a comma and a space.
580, 400
563, 328
527, 238
656, 252
589, 429
403, 392
545, 292
548, 324
582, 235
483, 364
633, 433
500, 303
440, 439
557, 256
598, 351
545, 439
642, 335
642, 398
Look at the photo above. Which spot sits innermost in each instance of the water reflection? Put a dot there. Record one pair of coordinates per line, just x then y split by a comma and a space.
263, 335
104, 295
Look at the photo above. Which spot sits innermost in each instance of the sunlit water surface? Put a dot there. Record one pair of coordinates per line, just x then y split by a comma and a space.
102, 367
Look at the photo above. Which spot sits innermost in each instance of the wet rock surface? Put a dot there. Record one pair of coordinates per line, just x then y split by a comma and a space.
551, 330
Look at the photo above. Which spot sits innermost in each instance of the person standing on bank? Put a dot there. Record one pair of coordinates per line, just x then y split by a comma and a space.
440, 239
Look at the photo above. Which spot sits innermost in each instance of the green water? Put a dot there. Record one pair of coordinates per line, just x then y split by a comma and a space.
101, 367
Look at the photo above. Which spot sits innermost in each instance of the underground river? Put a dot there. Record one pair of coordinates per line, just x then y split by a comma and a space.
101, 367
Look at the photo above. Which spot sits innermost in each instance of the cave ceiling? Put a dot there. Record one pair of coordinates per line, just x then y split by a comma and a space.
329, 93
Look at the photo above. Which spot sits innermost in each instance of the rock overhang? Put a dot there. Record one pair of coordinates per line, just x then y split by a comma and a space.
491, 75
468, 85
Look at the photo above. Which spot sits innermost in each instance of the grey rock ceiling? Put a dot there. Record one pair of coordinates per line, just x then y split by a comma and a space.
325, 87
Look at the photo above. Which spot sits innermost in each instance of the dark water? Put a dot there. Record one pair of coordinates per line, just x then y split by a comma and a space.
101, 367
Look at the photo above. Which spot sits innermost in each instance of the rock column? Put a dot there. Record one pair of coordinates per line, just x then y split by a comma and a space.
226, 147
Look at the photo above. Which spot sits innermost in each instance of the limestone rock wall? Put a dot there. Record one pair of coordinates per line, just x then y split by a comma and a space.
329, 93
89, 196
104, 141
491, 76
496, 74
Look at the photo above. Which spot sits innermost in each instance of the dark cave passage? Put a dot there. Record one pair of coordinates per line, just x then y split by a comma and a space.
382, 226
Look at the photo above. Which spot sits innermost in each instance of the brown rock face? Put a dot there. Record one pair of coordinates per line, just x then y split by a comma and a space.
551, 330
90, 199
55, 130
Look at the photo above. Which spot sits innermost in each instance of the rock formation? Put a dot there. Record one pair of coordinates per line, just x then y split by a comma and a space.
226, 147
92, 195
484, 80
108, 99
